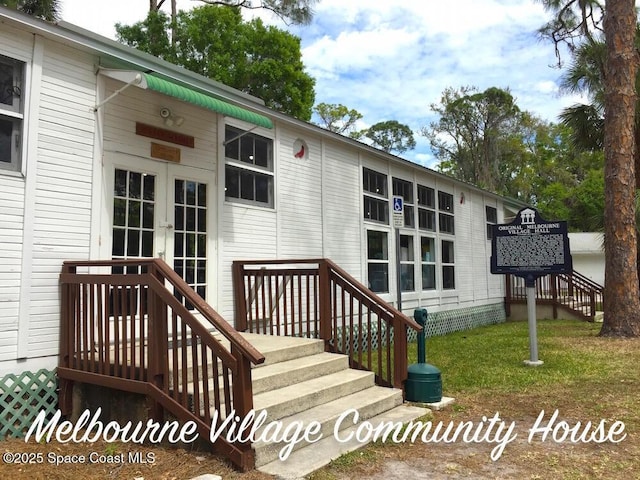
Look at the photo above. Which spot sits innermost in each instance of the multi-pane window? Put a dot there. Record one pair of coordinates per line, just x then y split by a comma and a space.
190, 234
428, 260
377, 261
407, 264
11, 112
426, 208
404, 189
249, 167
492, 219
448, 267
376, 203
445, 213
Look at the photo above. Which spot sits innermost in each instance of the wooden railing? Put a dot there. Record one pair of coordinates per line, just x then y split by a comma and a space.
317, 299
572, 291
124, 325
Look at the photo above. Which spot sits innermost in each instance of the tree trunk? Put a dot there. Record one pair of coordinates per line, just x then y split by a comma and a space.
622, 293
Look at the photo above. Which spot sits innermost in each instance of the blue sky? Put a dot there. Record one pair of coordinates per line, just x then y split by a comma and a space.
392, 59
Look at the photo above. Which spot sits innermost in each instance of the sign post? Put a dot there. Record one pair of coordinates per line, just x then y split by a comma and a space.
398, 223
531, 247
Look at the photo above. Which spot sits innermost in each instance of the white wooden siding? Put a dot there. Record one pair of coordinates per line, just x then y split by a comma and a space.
248, 233
137, 105
299, 188
341, 204
19, 45
61, 223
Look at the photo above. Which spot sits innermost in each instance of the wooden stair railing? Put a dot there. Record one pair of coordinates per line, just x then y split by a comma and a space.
571, 291
129, 331
317, 299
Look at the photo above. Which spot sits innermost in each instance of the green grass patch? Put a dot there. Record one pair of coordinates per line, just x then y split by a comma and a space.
492, 357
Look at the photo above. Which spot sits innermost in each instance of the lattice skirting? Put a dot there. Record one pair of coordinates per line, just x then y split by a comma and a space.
22, 397
438, 323
460, 319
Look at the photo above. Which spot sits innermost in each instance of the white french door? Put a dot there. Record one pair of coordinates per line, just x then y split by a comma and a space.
160, 210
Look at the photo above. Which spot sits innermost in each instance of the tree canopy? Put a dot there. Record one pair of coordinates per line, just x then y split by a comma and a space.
48, 10
338, 118
391, 136
214, 41
290, 11
479, 136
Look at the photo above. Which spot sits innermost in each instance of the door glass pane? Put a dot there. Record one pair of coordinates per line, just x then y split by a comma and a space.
190, 237
133, 214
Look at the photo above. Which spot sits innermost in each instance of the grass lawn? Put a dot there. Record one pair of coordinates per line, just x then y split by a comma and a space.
584, 377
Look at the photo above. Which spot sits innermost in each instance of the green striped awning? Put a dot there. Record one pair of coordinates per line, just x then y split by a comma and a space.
166, 87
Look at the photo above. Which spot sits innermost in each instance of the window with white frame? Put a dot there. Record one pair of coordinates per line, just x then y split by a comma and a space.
426, 208
376, 203
445, 213
11, 112
378, 261
407, 264
448, 265
492, 219
249, 176
404, 189
428, 260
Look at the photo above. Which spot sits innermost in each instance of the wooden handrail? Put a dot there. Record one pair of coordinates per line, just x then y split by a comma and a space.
185, 290
323, 301
132, 331
571, 291
374, 298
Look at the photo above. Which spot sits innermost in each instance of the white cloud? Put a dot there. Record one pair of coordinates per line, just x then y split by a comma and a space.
391, 59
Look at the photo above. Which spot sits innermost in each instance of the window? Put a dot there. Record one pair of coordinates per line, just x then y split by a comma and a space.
426, 208
492, 219
249, 168
407, 264
377, 261
376, 204
428, 259
445, 215
448, 269
11, 112
404, 189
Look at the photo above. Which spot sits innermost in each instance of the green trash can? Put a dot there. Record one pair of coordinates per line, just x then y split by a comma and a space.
424, 381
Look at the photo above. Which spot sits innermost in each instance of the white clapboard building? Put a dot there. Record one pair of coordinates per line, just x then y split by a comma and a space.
107, 152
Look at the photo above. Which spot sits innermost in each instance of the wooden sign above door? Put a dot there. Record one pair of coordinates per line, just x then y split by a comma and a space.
165, 152
166, 135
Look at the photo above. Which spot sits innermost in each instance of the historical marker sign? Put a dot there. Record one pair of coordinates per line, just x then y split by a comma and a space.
530, 246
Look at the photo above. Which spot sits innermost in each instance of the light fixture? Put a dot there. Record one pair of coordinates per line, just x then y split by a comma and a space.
169, 119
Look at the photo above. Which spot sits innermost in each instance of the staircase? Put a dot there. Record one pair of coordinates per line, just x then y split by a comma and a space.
571, 292
319, 344
300, 382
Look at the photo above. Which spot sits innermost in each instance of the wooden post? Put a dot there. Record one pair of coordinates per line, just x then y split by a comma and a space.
243, 403
65, 395
400, 361
239, 296
324, 280
158, 345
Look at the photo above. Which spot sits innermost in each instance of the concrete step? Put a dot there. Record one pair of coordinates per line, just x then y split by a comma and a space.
292, 399
289, 372
281, 374
306, 460
275, 350
368, 402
